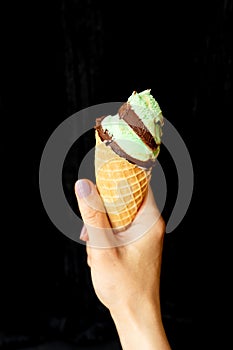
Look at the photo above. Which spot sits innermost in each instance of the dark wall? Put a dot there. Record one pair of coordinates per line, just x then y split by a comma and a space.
57, 58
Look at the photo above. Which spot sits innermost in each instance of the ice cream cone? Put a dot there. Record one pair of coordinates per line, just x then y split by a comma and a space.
127, 146
121, 184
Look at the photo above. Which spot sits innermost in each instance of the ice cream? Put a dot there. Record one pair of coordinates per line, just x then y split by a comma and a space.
134, 133
127, 145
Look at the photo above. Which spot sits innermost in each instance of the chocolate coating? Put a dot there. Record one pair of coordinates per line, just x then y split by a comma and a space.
118, 150
131, 118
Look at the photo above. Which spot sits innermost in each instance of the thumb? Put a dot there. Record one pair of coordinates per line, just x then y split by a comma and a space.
93, 214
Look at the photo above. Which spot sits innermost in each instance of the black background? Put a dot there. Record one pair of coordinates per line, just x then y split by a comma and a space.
60, 57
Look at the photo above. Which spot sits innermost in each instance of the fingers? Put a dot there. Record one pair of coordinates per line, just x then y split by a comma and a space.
147, 217
97, 231
97, 227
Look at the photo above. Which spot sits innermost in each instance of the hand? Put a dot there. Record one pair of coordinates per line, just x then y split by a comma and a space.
126, 274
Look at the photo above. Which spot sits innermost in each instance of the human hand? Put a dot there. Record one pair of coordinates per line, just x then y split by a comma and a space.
125, 267
121, 270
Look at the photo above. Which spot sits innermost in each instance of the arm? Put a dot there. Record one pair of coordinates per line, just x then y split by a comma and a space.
126, 277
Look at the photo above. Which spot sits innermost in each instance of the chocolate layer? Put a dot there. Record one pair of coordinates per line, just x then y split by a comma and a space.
131, 118
105, 137
118, 150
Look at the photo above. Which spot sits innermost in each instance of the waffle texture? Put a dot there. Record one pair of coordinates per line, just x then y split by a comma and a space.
121, 184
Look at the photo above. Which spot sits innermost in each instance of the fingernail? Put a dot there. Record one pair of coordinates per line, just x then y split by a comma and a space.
83, 188
83, 232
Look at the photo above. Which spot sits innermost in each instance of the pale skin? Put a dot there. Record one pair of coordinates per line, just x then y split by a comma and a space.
126, 277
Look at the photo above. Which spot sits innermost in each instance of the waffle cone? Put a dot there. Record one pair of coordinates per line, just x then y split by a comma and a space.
121, 184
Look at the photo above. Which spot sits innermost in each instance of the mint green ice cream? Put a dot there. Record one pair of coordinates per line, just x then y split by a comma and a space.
135, 131
148, 110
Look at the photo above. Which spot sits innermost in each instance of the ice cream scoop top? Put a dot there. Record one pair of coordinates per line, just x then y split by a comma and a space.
135, 132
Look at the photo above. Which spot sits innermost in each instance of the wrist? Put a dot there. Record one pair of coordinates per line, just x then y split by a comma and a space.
139, 325
136, 313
